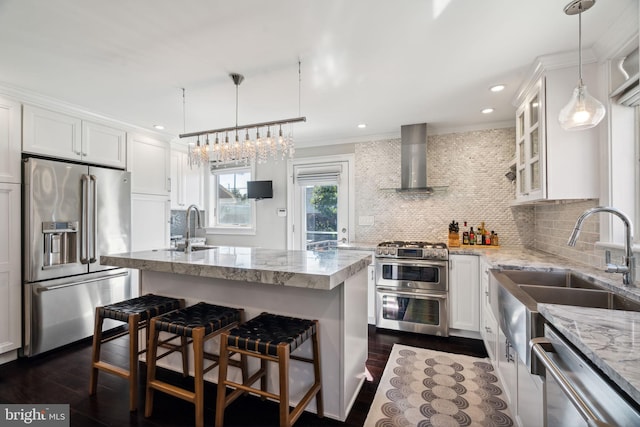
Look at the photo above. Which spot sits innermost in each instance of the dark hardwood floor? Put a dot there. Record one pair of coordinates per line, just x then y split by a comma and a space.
62, 376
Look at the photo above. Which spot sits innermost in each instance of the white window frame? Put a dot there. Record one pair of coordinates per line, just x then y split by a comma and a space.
212, 203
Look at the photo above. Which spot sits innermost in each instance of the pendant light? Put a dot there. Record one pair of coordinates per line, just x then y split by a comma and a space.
583, 111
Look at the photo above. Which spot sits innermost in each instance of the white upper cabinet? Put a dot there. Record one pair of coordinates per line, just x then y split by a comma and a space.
104, 145
10, 140
186, 182
59, 135
552, 163
149, 165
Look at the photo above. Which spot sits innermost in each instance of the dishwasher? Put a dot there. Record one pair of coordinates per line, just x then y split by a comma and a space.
575, 393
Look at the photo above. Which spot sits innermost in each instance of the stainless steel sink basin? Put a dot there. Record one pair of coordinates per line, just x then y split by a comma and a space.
519, 292
594, 298
566, 279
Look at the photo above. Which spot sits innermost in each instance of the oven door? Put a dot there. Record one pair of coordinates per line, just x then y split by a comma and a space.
412, 311
412, 274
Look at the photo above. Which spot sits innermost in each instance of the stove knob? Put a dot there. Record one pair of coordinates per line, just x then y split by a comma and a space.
392, 251
385, 251
379, 251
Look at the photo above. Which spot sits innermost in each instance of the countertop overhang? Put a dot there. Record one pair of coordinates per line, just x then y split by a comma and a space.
322, 270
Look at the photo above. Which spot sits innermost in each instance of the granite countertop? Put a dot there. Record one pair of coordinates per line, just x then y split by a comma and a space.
609, 338
308, 269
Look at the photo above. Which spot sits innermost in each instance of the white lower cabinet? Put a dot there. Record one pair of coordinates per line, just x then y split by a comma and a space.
530, 398
10, 277
489, 333
508, 370
371, 293
464, 293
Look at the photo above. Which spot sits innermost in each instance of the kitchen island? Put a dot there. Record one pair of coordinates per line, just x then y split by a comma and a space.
330, 286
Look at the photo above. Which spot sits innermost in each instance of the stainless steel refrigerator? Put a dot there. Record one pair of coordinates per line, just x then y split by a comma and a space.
73, 213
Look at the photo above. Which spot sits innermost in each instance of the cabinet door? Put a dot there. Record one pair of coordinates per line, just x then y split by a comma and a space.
193, 184
530, 166
371, 293
464, 293
177, 181
10, 140
10, 279
150, 217
51, 134
530, 397
103, 145
489, 332
149, 165
508, 369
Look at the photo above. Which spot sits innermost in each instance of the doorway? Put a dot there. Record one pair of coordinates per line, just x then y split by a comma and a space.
319, 202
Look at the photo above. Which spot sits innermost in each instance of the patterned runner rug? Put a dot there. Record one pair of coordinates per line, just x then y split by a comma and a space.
421, 387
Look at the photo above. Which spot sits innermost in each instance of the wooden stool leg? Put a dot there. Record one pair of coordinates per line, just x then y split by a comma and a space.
97, 341
198, 374
283, 365
134, 321
317, 373
152, 354
221, 401
185, 356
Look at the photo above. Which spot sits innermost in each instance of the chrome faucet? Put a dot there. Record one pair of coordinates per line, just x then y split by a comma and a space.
187, 243
628, 270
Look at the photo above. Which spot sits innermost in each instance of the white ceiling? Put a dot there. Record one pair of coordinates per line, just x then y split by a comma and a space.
381, 62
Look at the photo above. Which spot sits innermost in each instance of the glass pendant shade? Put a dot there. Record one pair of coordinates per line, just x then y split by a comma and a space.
583, 111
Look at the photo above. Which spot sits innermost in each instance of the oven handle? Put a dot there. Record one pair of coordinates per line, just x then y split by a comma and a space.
438, 295
541, 347
425, 263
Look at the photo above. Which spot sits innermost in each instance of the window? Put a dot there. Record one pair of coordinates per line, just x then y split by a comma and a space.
231, 211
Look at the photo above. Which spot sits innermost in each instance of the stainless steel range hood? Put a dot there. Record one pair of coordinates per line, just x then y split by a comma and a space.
413, 160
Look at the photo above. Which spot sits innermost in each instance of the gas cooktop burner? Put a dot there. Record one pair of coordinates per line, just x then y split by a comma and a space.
419, 250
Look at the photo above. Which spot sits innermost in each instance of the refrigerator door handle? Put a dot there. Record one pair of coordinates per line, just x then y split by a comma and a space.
94, 219
84, 244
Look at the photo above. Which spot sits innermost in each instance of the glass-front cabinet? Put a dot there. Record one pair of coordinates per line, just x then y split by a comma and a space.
529, 131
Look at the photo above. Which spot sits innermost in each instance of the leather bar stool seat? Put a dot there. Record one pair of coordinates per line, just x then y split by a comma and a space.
271, 338
136, 312
198, 323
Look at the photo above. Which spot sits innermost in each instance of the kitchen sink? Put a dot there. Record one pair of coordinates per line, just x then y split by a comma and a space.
519, 292
565, 279
194, 248
594, 298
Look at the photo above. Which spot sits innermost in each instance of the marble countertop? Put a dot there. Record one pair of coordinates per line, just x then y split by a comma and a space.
609, 338
308, 269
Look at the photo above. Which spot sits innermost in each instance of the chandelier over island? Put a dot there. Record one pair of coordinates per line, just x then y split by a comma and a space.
255, 142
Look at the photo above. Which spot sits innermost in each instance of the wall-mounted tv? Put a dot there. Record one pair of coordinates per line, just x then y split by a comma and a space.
259, 190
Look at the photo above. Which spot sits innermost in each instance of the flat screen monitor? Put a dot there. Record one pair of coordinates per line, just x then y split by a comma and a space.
259, 190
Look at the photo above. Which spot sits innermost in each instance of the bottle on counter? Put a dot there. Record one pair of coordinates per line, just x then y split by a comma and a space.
479, 234
472, 237
495, 241
465, 234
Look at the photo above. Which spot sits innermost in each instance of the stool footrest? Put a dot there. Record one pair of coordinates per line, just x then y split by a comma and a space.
173, 390
112, 369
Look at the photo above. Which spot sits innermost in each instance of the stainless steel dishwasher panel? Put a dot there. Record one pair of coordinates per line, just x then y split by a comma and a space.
59, 312
576, 393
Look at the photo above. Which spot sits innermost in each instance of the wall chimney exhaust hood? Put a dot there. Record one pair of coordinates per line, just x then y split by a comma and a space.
413, 161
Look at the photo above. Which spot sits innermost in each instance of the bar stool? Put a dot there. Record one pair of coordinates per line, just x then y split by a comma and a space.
273, 338
136, 312
200, 323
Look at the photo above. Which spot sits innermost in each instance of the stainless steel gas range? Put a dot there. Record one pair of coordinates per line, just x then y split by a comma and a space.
412, 287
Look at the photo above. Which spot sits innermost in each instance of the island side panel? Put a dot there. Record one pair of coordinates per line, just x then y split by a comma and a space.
356, 342
343, 355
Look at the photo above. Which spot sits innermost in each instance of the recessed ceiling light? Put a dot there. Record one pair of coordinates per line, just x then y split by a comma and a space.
159, 127
497, 88
487, 111
362, 125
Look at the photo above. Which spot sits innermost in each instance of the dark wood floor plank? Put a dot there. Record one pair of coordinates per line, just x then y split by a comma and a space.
62, 376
